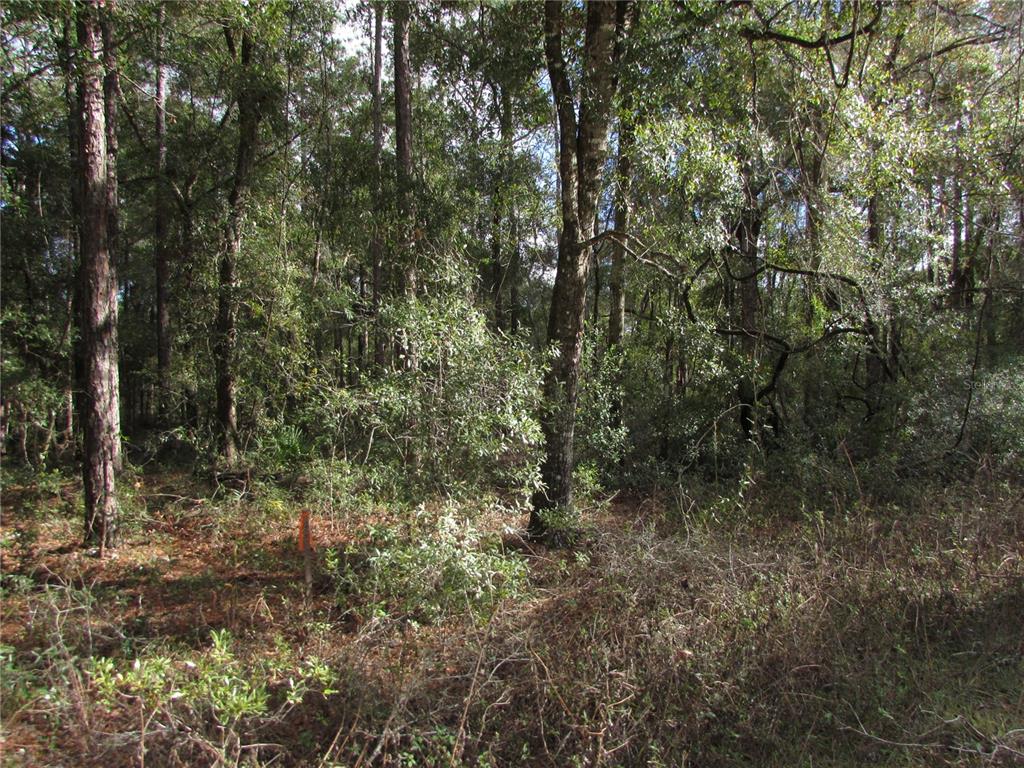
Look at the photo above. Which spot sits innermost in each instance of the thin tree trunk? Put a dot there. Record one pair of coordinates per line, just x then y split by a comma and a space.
513, 276
403, 156
876, 369
364, 326
617, 276
73, 102
748, 233
957, 271
111, 94
380, 344
499, 204
227, 300
101, 425
623, 211
497, 276
161, 254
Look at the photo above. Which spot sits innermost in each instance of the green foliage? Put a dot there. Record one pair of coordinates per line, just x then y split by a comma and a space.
465, 416
601, 436
997, 417
217, 682
434, 566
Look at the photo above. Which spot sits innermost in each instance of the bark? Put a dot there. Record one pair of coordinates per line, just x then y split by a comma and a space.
582, 151
161, 252
227, 300
98, 285
376, 244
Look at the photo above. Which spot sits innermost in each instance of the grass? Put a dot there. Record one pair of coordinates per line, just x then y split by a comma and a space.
699, 627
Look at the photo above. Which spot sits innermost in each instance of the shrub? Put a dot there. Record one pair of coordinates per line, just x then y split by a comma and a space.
464, 417
439, 566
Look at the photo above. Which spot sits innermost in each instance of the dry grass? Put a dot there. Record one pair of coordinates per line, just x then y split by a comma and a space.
685, 630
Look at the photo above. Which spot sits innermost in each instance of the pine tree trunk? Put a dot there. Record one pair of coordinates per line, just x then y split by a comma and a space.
101, 424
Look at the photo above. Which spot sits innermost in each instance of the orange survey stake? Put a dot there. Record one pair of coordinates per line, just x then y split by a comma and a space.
305, 537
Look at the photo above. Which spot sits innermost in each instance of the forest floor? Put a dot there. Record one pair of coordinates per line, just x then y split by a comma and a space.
685, 628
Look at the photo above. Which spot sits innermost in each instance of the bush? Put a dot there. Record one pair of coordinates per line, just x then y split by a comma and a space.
464, 417
439, 566
997, 417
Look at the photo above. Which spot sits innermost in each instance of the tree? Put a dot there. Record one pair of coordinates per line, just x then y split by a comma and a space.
249, 115
161, 215
403, 156
376, 241
583, 145
101, 429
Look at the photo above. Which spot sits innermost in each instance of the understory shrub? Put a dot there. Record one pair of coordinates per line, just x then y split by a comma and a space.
436, 566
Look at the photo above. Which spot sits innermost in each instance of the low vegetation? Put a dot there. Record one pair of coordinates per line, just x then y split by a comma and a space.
707, 624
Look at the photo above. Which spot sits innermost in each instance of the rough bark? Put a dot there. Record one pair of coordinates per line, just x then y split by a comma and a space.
101, 426
227, 300
582, 149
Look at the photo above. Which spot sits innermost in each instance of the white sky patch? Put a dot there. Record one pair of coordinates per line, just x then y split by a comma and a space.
354, 32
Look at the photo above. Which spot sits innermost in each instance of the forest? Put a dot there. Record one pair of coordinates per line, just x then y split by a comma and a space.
498, 383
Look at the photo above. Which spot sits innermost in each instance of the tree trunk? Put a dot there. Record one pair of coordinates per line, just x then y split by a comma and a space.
515, 260
101, 424
747, 235
380, 343
623, 211
876, 370
957, 270
582, 151
403, 156
617, 276
497, 275
227, 300
161, 254
73, 102
111, 94
499, 205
